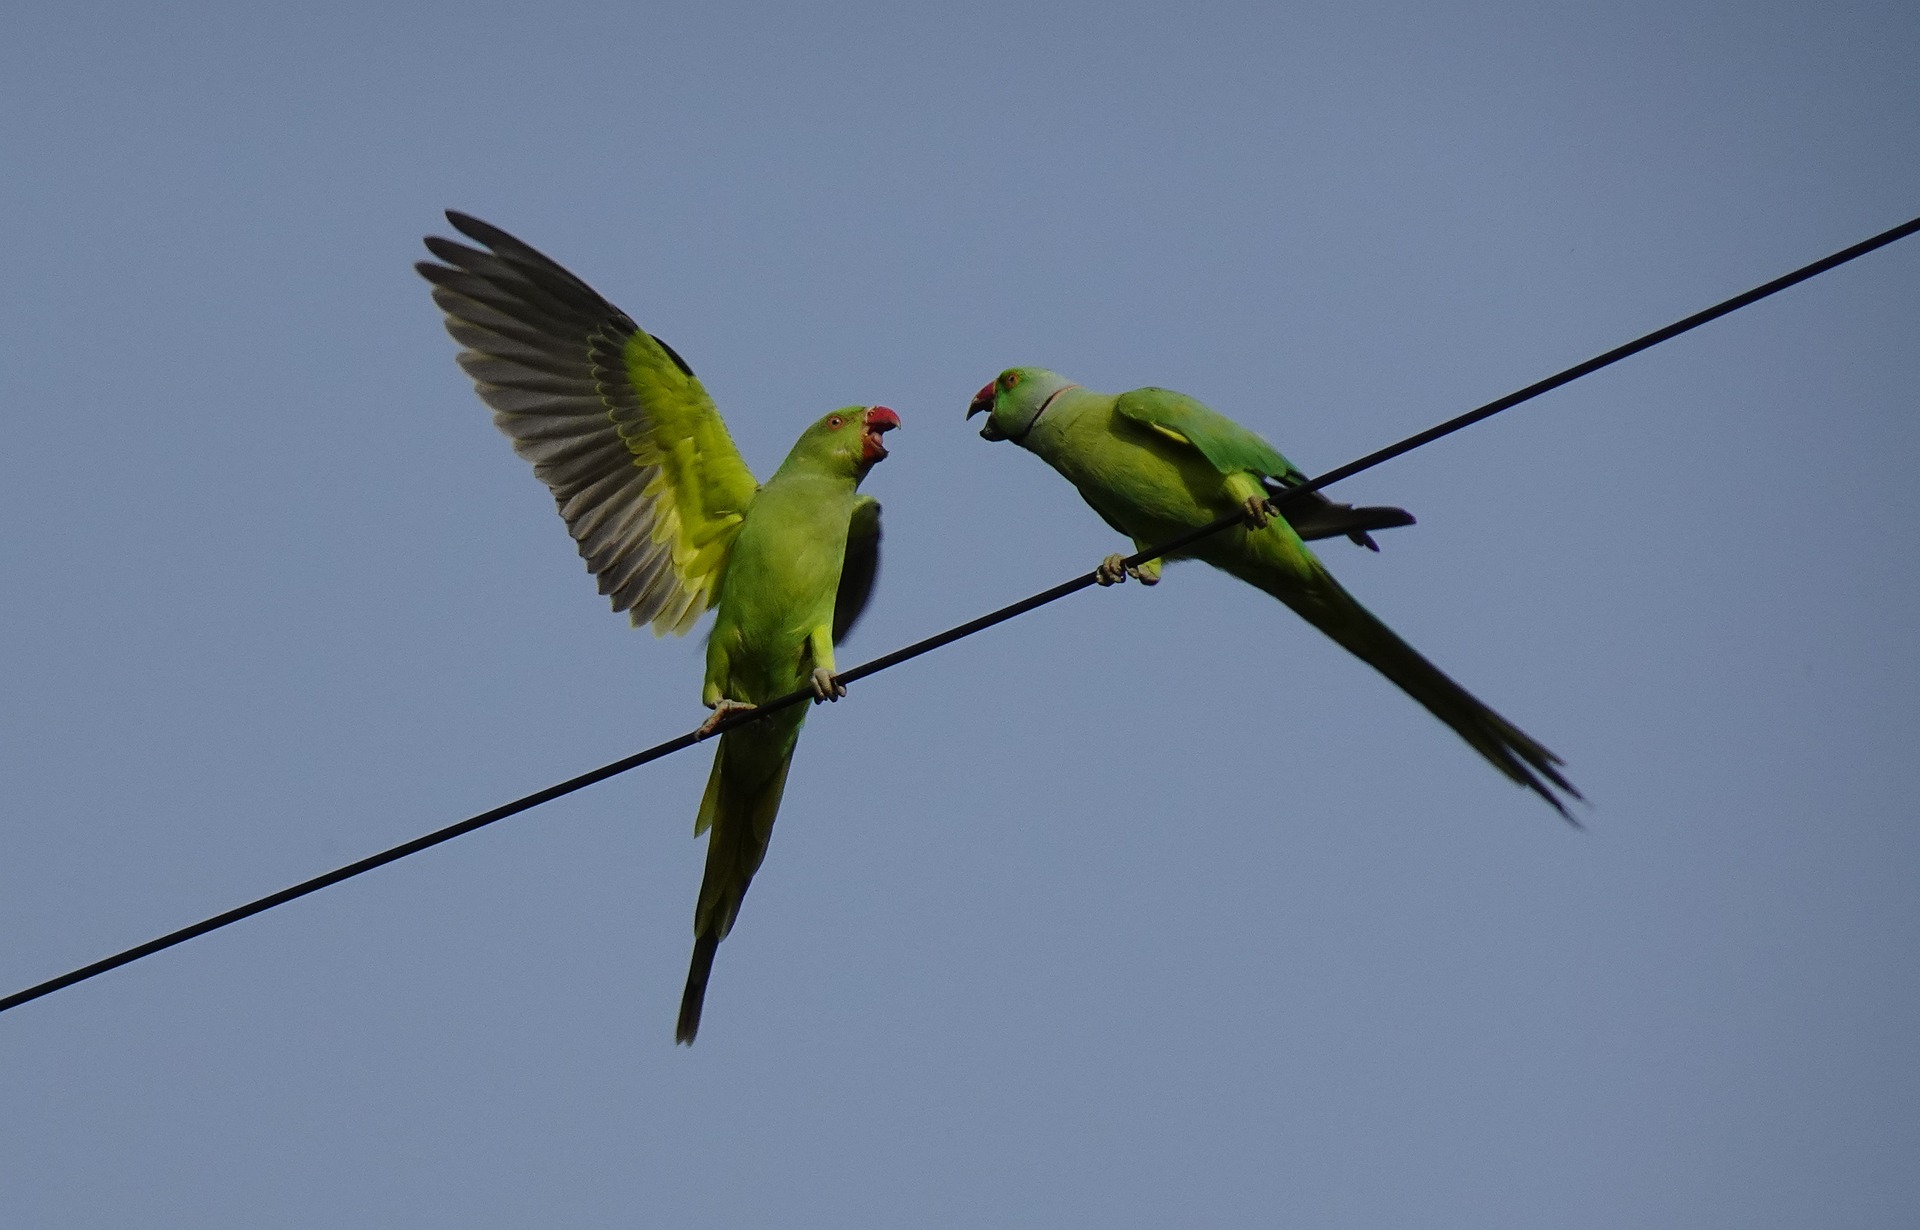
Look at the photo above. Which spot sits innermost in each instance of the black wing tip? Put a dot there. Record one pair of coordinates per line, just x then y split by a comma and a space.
449, 251
1386, 517
443, 277
1376, 517
496, 241
467, 225
1379, 517
511, 256
472, 227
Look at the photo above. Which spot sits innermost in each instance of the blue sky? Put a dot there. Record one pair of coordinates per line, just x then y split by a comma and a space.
1151, 908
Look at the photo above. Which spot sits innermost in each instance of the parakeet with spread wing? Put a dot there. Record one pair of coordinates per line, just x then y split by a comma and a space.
1156, 464
672, 523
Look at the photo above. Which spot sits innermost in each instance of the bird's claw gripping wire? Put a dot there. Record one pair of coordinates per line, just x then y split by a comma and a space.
721, 709
1259, 511
826, 685
1113, 570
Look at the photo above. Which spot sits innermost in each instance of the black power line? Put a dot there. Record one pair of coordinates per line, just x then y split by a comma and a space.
887, 661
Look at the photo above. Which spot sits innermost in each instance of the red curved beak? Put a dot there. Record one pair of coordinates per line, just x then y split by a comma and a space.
879, 421
982, 402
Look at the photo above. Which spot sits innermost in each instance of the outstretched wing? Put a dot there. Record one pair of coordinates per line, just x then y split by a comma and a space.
861, 567
1227, 446
1224, 443
615, 423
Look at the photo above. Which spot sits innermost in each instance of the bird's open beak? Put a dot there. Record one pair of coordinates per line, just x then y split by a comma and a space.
982, 403
880, 420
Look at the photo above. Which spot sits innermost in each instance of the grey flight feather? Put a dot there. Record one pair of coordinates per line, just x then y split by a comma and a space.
861, 568
545, 352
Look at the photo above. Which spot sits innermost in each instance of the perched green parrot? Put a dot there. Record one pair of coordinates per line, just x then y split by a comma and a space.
1156, 464
670, 520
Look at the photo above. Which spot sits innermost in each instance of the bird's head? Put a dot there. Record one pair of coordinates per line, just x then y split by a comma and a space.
849, 438
1014, 401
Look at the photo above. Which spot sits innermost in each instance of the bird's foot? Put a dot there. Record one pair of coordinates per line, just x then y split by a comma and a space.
1147, 573
1258, 511
826, 685
721, 709
1113, 570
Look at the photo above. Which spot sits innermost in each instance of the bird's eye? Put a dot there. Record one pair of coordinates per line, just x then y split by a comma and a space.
1012, 378
834, 421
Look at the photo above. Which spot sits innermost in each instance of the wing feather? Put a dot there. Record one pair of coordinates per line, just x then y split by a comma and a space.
613, 420
485, 370
860, 568
1223, 442
1228, 447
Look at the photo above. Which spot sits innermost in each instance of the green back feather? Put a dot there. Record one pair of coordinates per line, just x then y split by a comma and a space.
1225, 444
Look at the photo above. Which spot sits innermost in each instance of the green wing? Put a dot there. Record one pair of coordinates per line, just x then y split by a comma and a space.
1224, 443
1228, 447
861, 567
615, 423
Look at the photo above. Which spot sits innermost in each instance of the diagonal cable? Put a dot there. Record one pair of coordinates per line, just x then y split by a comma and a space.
890, 660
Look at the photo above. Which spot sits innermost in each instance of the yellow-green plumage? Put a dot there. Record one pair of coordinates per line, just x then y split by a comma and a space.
671, 522
1156, 464
773, 629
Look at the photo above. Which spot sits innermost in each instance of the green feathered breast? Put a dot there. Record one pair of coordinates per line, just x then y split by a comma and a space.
671, 522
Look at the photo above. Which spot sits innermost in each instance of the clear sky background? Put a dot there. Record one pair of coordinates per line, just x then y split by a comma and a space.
1150, 909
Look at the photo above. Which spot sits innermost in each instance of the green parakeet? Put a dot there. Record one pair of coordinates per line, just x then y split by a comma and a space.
1156, 464
671, 521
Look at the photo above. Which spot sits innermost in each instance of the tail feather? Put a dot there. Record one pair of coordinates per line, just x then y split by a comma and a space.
695, 996
742, 798
1319, 599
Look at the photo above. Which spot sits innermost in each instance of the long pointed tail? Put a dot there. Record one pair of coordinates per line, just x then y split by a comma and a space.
695, 996
743, 796
1303, 584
